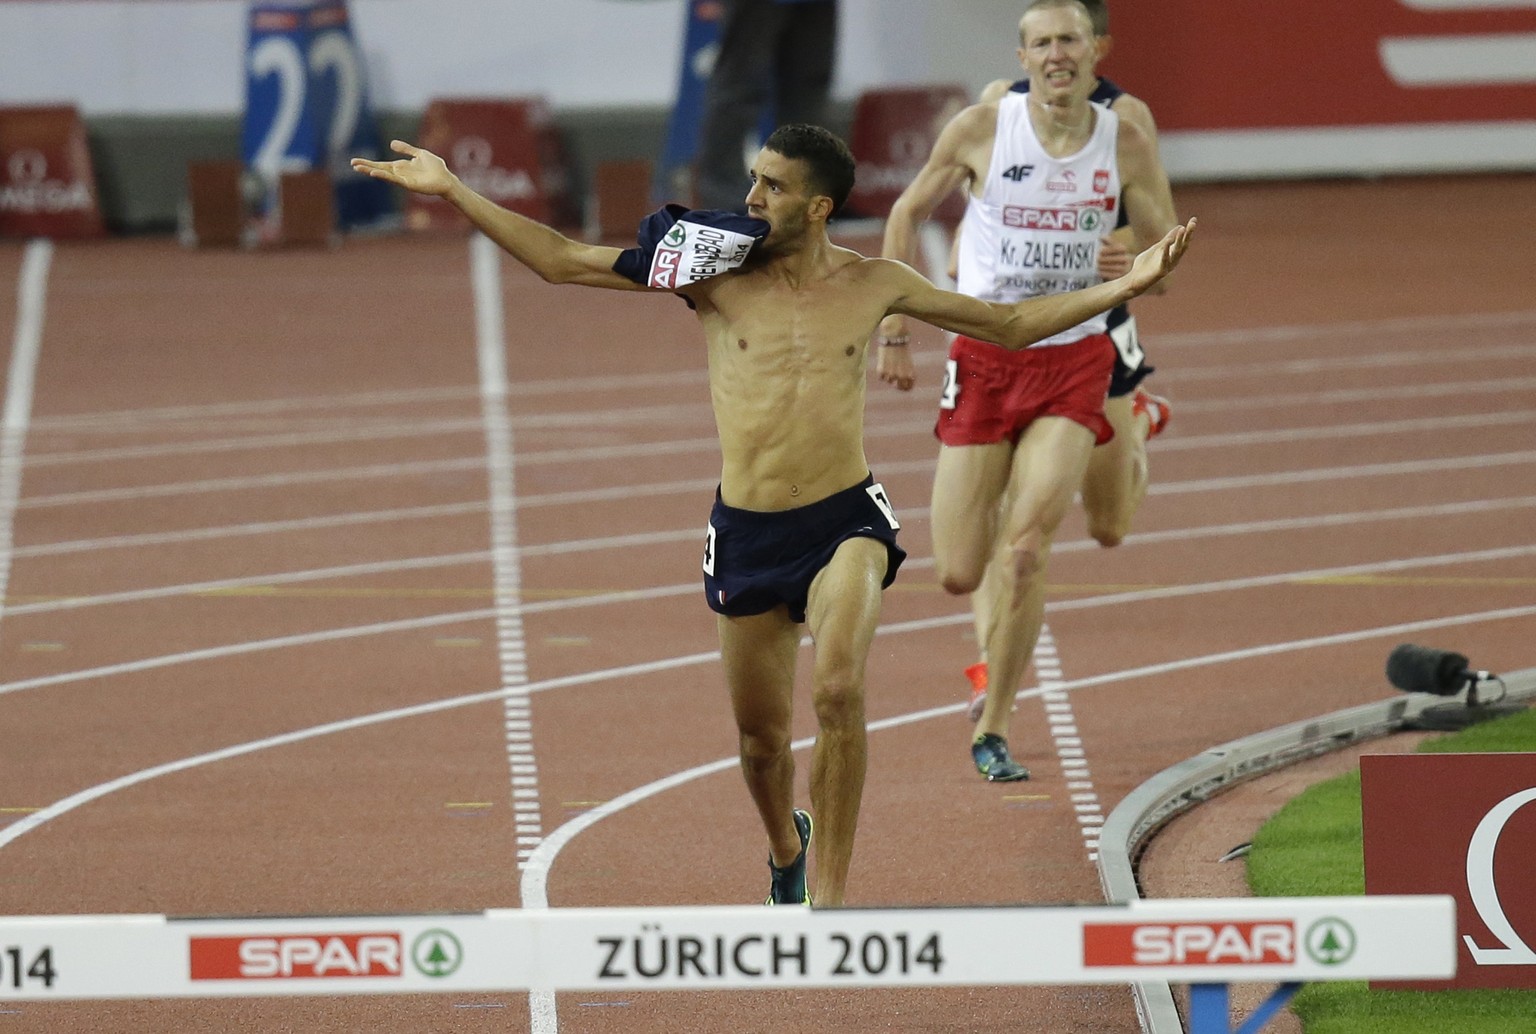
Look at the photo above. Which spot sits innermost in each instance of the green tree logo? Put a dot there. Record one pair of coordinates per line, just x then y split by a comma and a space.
436, 953
1330, 941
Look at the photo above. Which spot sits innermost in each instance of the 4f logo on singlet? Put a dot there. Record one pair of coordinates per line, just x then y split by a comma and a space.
1017, 172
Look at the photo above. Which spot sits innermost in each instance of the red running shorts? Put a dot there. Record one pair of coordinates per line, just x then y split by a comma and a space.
993, 393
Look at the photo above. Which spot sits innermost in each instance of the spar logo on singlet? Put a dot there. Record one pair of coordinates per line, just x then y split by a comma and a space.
669, 257
1059, 220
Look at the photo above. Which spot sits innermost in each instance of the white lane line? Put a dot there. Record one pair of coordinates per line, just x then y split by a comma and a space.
684, 588
1372, 394
591, 545
654, 538
1391, 359
255, 581
381, 470
1429, 424
212, 653
1283, 437
1400, 468
307, 404
536, 873
1364, 470
1065, 736
311, 404
890, 426
33, 820
26, 345
707, 484
1353, 330
506, 568
258, 481
379, 430
305, 524
246, 443
1326, 520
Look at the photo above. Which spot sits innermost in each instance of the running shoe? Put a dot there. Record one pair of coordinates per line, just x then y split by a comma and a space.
788, 886
977, 673
990, 752
1158, 411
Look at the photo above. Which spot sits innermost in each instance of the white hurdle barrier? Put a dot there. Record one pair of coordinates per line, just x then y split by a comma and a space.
1203, 942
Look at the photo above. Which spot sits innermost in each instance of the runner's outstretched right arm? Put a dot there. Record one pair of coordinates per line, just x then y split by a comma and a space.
548, 252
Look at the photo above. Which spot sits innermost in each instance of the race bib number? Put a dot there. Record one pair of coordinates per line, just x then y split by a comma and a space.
951, 390
709, 550
877, 493
1128, 344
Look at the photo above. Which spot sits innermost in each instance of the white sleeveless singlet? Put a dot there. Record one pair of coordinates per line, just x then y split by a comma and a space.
1035, 228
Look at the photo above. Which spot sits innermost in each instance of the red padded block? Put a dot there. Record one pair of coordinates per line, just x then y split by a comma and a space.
893, 133
216, 207
47, 185
308, 213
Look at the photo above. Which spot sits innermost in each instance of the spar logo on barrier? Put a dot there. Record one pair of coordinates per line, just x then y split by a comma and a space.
433, 953
1255, 943
1271, 942
297, 956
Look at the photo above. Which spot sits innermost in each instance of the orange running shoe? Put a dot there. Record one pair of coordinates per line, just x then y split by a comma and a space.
977, 673
1158, 411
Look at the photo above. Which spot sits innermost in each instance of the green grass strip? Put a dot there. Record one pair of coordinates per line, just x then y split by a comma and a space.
1313, 847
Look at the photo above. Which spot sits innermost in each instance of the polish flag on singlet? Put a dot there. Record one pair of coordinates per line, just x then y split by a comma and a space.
678, 246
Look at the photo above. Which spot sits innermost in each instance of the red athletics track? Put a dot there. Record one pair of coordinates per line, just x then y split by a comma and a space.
254, 502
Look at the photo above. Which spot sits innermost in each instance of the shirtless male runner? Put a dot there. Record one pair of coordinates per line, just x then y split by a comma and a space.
1048, 172
786, 334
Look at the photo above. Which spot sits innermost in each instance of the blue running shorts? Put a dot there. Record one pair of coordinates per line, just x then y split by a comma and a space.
755, 560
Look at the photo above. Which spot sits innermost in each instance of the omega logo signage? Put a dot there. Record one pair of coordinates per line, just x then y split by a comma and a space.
1463, 825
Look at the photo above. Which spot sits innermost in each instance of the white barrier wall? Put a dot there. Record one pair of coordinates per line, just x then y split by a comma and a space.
184, 56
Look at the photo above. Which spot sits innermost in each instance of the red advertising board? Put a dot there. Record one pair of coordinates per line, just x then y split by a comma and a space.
1463, 825
508, 150
1321, 63
893, 133
47, 186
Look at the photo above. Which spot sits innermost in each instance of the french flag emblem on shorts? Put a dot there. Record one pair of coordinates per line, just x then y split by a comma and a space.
721, 594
